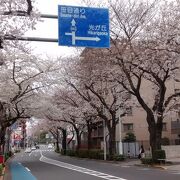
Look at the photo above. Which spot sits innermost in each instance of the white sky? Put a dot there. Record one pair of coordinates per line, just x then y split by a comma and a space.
49, 29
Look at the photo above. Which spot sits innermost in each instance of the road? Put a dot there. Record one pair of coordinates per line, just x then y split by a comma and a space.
44, 164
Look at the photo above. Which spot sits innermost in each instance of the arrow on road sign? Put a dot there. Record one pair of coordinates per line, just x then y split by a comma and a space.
73, 22
88, 38
74, 37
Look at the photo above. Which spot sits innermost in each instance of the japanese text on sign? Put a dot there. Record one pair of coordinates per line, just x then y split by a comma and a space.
74, 12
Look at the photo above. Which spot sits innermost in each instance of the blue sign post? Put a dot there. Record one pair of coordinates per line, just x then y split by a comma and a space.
83, 26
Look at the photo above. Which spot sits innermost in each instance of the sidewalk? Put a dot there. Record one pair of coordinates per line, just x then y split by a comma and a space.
174, 164
7, 172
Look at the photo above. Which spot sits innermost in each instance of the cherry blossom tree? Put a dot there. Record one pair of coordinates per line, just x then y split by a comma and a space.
81, 115
66, 109
23, 77
13, 25
91, 78
145, 38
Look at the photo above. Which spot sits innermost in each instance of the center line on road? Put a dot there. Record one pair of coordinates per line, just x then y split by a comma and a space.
79, 169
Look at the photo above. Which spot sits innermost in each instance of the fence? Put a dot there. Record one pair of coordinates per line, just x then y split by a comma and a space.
129, 148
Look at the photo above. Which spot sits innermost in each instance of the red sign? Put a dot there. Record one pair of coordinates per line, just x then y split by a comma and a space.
17, 137
1, 159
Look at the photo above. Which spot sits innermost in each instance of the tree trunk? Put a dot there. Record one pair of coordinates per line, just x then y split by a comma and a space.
78, 141
57, 146
112, 142
78, 136
155, 132
2, 127
57, 142
89, 127
64, 140
2, 139
112, 138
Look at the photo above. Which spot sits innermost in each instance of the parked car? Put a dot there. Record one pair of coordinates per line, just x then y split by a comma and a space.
50, 146
28, 150
33, 148
37, 146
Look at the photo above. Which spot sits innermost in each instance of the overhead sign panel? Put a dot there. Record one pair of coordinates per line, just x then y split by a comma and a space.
83, 26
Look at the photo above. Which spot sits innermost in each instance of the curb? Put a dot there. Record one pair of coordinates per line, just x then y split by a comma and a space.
152, 166
160, 167
7, 170
98, 160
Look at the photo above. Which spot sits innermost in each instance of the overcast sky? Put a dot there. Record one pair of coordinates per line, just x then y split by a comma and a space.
49, 29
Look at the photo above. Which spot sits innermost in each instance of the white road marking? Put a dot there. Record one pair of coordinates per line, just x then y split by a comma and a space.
175, 172
30, 153
44, 150
144, 169
79, 169
27, 169
125, 166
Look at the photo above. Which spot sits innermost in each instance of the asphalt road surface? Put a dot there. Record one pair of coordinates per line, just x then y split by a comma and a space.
45, 164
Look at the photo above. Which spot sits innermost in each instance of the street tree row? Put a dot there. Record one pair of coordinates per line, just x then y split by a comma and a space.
144, 54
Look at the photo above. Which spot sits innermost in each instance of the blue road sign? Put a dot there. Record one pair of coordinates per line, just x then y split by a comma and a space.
83, 26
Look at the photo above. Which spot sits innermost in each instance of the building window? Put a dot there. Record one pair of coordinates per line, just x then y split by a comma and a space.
175, 127
164, 128
128, 127
129, 111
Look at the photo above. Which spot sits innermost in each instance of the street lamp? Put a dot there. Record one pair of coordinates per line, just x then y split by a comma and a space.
120, 136
120, 132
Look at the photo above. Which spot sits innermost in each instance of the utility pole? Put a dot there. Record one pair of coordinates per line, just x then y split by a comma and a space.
104, 139
120, 136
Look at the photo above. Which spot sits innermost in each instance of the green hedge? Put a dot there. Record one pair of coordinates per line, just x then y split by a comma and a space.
82, 153
7, 155
1, 169
63, 152
118, 158
159, 154
70, 153
93, 154
57, 151
148, 161
96, 154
